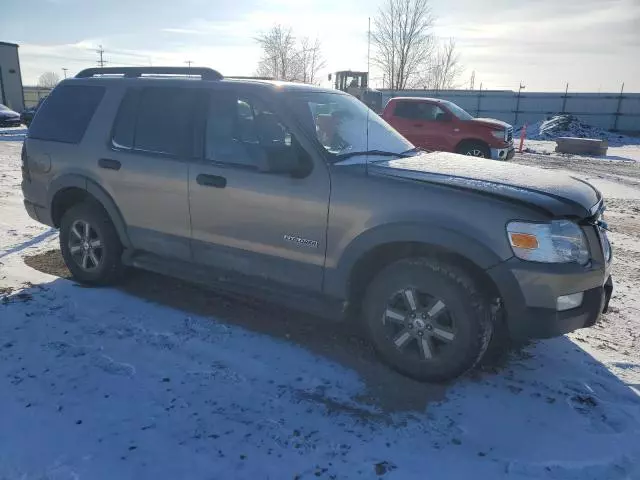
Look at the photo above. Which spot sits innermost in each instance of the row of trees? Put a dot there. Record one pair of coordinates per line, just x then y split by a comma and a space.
406, 50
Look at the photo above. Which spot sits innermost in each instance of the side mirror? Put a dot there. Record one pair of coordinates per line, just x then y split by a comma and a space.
329, 77
443, 117
287, 160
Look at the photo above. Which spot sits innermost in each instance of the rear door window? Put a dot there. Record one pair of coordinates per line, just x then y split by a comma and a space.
66, 114
416, 110
155, 120
165, 116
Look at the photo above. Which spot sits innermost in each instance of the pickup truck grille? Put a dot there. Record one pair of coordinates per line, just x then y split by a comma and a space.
509, 134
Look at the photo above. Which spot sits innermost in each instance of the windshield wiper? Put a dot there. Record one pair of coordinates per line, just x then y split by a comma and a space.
380, 153
416, 150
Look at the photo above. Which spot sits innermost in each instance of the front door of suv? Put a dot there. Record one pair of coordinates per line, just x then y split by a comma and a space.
248, 221
145, 168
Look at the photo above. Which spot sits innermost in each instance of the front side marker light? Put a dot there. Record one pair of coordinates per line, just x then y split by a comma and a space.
523, 240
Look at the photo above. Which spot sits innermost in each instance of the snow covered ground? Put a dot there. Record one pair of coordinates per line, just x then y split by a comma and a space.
158, 379
622, 153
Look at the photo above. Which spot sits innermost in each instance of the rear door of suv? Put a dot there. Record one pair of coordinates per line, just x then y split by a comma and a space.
145, 167
268, 226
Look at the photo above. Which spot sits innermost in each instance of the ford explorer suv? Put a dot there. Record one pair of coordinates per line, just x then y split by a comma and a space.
301, 195
435, 124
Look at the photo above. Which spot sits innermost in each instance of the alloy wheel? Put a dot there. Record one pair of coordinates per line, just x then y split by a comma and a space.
418, 324
475, 153
85, 245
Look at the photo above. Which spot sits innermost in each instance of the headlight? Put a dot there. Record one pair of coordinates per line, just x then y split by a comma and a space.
499, 134
559, 241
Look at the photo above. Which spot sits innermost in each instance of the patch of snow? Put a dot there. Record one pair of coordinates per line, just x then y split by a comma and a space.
14, 134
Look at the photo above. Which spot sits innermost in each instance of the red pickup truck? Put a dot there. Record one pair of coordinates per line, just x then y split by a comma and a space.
441, 125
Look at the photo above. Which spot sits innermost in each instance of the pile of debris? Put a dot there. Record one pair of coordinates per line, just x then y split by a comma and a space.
566, 125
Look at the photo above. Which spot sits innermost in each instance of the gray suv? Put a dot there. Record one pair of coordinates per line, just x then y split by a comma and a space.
304, 196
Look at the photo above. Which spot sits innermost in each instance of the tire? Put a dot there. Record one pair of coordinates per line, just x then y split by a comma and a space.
103, 241
452, 317
475, 149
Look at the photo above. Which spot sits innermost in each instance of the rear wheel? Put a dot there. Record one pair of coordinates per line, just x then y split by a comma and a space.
475, 149
90, 245
427, 319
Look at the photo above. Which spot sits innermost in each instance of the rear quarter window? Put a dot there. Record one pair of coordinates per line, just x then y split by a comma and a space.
65, 115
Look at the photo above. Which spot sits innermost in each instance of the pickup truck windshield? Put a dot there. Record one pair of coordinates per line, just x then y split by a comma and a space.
339, 122
457, 111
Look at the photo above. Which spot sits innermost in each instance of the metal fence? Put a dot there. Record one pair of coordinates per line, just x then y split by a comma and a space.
611, 111
32, 95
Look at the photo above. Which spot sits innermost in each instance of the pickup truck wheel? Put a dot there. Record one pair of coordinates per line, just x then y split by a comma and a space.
427, 319
475, 149
90, 245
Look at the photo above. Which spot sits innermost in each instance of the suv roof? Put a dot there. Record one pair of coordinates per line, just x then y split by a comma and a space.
187, 74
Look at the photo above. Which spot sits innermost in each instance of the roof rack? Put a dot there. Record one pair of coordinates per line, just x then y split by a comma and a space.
240, 77
134, 72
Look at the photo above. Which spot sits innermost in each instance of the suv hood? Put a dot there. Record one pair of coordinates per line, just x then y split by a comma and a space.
490, 122
558, 194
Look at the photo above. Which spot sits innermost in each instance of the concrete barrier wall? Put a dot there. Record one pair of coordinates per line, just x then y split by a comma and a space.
611, 111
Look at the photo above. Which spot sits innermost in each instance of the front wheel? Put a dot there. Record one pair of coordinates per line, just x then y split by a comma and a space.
475, 149
427, 319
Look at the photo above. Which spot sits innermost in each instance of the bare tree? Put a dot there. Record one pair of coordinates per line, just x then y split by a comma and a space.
445, 67
284, 58
278, 54
403, 39
311, 60
48, 80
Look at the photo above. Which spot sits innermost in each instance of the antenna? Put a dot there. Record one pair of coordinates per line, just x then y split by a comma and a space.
366, 159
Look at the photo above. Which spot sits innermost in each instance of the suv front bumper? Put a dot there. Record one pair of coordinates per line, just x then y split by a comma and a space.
530, 292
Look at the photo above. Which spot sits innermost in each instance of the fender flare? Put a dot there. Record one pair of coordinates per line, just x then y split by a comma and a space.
337, 280
97, 192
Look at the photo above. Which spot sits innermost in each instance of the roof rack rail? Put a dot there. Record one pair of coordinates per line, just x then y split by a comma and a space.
241, 77
134, 72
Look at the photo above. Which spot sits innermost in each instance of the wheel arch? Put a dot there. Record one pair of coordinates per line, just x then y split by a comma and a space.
72, 189
471, 140
374, 250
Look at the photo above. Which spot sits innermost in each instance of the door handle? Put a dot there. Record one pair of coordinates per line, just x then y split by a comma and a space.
211, 181
418, 125
109, 164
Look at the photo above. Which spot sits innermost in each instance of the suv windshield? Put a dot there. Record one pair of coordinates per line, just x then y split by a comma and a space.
340, 123
457, 111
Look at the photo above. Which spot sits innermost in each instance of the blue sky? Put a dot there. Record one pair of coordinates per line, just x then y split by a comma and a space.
592, 44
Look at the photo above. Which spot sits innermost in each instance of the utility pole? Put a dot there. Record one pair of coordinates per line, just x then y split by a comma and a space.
64, 71
188, 62
515, 120
473, 80
100, 52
